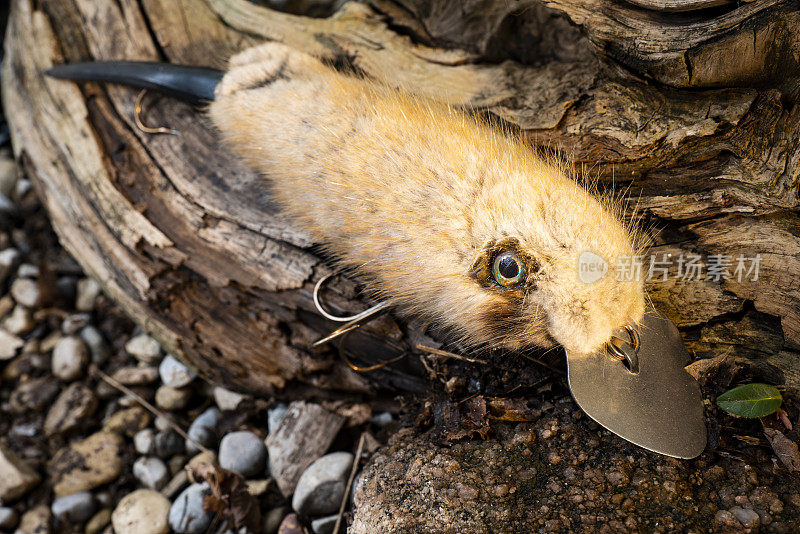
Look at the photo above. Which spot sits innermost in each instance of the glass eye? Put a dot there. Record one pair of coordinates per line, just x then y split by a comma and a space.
508, 269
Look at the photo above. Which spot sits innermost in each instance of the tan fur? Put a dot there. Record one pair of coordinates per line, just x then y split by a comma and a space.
410, 192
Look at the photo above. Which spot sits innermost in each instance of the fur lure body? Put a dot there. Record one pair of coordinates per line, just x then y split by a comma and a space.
418, 197
448, 219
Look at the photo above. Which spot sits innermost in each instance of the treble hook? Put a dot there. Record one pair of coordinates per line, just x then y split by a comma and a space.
351, 322
137, 118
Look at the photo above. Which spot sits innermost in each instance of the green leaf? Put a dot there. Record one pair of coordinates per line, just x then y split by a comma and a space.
751, 400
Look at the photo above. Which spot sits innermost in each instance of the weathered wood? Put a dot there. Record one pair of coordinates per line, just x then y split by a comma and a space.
185, 239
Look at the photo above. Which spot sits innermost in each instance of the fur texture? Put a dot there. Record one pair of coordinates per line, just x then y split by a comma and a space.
417, 197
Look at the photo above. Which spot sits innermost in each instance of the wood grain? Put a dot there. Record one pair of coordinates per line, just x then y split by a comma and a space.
186, 240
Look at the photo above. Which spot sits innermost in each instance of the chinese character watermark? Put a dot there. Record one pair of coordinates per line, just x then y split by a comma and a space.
661, 267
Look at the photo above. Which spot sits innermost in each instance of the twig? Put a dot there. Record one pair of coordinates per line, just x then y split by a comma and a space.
346, 495
439, 352
543, 364
146, 405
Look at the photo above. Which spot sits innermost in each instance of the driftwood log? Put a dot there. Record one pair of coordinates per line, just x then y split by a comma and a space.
690, 107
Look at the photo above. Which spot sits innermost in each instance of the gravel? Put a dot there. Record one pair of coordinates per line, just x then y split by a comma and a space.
151, 472
244, 453
144, 348
174, 373
75, 508
187, 515
8, 518
70, 357
204, 430
141, 512
144, 441
168, 443
321, 486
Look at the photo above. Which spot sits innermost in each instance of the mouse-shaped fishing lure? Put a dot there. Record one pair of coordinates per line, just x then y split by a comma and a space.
445, 217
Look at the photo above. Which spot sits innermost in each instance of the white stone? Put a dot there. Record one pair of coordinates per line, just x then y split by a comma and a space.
8, 258
174, 373
70, 357
26, 292
75, 508
226, 399
86, 294
168, 398
19, 322
16, 477
9, 344
8, 518
143, 441
141, 512
321, 486
151, 472
244, 453
144, 348
187, 515
96, 343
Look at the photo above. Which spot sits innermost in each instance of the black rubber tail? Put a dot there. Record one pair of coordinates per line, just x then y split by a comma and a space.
194, 85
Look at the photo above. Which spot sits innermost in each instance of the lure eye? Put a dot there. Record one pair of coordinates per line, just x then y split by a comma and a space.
508, 269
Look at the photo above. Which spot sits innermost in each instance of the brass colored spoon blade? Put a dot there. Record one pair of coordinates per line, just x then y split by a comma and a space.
660, 407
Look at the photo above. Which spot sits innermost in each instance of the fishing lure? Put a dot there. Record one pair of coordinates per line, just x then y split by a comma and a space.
451, 220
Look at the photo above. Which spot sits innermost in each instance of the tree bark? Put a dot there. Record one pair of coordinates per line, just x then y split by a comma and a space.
186, 240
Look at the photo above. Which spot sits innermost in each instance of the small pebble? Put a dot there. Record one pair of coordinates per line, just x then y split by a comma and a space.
748, 518
204, 430
227, 400
28, 270
207, 457
73, 323
70, 357
73, 406
128, 421
36, 520
87, 291
275, 414
171, 399
144, 441
98, 522
142, 512
291, 525
151, 472
75, 508
96, 343
324, 525
168, 443
26, 292
176, 464
321, 486
9, 344
381, 419
273, 519
19, 322
8, 518
8, 258
135, 376
244, 453
174, 373
187, 515
144, 348
16, 477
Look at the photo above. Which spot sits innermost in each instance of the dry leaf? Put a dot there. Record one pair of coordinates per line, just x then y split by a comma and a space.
229, 497
785, 449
